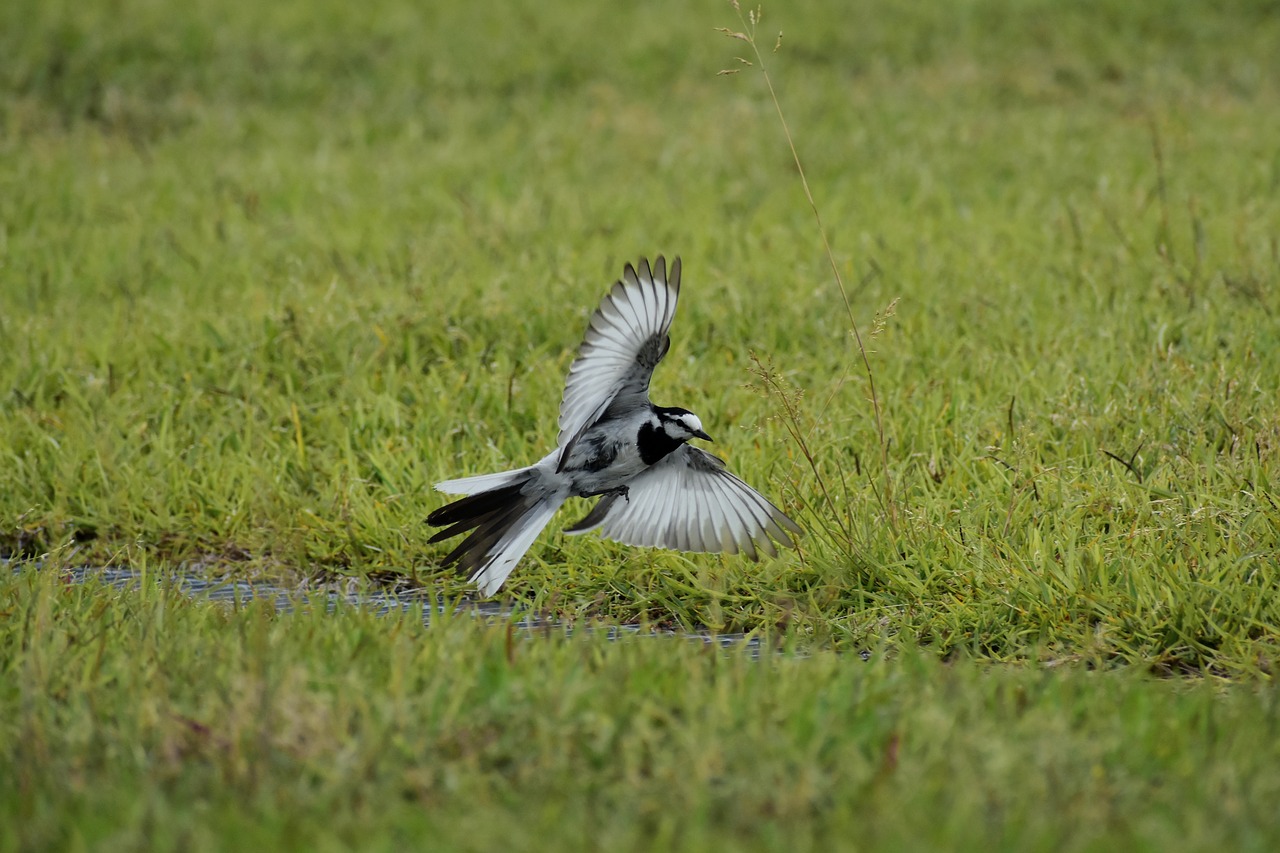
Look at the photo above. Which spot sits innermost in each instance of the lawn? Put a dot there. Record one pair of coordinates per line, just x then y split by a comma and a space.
268, 272
151, 722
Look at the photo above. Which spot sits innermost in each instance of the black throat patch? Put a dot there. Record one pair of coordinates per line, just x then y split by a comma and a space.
654, 443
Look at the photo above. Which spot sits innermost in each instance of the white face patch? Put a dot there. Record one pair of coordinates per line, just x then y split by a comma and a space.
683, 426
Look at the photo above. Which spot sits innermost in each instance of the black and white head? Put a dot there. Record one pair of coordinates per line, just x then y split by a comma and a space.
680, 424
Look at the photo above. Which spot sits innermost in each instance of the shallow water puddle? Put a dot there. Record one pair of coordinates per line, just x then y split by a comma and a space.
284, 599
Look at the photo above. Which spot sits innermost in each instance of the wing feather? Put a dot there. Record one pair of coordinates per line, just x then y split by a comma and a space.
625, 340
728, 523
680, 532
689, 501
753, 506
717, 522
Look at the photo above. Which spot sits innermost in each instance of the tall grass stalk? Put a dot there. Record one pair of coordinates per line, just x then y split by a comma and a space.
750, 22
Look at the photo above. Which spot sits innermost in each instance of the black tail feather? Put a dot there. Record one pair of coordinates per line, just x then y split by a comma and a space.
473, 552
489, 515
462, 526
474, 505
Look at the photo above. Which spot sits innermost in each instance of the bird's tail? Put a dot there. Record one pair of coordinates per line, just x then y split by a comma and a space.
503, 522
484, 482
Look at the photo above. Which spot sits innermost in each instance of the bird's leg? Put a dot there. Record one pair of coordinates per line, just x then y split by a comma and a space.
616, 491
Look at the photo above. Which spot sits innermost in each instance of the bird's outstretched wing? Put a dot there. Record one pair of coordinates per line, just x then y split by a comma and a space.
626, 339
690, 502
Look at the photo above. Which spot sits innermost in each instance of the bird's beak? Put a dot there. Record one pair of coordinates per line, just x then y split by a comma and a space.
702, 435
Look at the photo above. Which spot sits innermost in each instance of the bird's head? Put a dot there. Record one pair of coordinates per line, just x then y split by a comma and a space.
681, 424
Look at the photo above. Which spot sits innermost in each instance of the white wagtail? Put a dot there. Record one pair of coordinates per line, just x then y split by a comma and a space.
654, 489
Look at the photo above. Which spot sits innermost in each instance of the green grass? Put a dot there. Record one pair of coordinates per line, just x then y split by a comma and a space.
267, 272
148, 721
267, 275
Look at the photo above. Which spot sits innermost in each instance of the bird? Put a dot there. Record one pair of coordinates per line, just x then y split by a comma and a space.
654, 489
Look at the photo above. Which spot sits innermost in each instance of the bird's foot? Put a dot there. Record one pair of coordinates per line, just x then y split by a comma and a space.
624, 491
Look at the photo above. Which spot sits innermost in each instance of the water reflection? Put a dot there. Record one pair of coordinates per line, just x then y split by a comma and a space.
283, 599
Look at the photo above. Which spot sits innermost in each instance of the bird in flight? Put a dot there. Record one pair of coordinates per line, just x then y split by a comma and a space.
654, 488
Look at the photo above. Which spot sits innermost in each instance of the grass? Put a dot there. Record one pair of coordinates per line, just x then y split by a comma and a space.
266, 274
149, 721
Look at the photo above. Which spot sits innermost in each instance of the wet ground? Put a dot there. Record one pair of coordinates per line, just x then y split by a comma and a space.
333, 595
